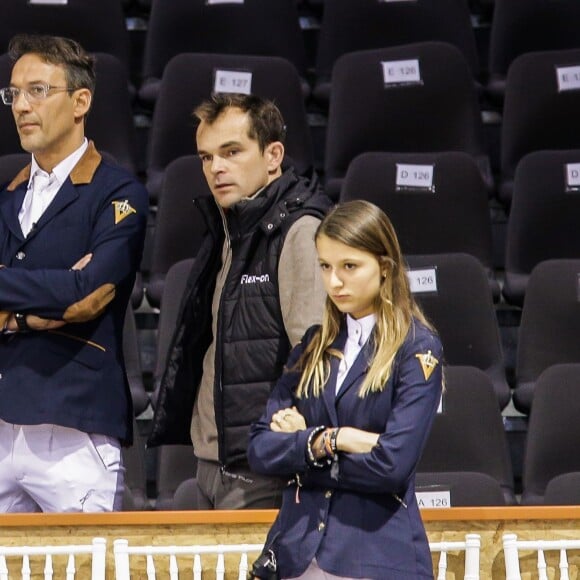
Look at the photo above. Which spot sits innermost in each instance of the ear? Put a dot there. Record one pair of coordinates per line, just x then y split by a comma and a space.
274, 154
82, 99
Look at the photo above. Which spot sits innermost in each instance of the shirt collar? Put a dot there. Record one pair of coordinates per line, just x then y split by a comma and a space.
359, 329
61, 171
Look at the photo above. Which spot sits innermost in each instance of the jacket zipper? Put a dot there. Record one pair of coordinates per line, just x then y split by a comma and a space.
218, 351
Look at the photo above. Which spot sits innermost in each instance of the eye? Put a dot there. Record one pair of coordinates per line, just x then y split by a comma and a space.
324, 266
349, 266
205, 158
37, 91
232, 152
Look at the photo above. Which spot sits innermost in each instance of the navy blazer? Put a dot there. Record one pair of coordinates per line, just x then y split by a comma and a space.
73, 376
362, 522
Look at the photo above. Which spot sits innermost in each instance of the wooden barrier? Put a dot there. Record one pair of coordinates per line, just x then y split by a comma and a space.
251, 526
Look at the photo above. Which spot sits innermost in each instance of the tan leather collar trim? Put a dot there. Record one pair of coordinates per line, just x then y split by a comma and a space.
82, 173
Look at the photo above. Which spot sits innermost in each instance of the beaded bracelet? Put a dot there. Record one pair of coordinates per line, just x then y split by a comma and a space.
310, 453
333, 437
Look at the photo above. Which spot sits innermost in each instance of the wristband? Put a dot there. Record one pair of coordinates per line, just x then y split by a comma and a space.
21, 322
309, 453
333, 438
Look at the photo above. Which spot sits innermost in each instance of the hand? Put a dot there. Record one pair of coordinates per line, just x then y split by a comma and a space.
287, 421
352, 440
38, 323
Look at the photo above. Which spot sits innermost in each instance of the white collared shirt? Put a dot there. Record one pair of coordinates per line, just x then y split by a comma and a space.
358, 331
56, 178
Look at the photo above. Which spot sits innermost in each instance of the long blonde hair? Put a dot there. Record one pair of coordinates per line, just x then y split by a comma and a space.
363, 226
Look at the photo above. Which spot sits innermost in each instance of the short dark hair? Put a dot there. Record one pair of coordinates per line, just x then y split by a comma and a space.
266, 121
79, 67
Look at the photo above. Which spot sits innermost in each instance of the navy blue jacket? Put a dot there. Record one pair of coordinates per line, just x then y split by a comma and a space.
362, 521
73, 376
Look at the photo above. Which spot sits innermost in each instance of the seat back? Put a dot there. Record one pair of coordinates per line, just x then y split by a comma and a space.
188, 79
471, 546
546, 198
349, 26
553, 431
417, 98
181, 561
513, 548
468, 433
98, 26
520, 26
437, 202
251, 27
179, 225
175, 464
454, 292
47, 560
540, 109
133, 368
173, 289
549, 326
465, 488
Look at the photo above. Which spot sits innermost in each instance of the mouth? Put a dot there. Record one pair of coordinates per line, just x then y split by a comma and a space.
27, 126
222, 186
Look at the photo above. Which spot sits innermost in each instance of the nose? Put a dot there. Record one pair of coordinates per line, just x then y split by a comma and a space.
20, 102
335, 281
217, 164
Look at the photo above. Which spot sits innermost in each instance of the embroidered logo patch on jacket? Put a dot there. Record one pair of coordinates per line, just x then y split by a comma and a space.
122, 210
428, 363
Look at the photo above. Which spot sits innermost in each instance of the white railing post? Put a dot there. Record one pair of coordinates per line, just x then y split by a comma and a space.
512, 562
243, 567
564, 566
472, 549
99, 558
48, 570
120, 549
442, 568
542, 567
150, 567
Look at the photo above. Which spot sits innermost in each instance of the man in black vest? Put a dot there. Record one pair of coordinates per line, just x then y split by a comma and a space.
253, 291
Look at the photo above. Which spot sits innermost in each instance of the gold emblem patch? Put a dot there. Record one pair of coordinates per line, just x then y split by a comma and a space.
122, 210
428, 363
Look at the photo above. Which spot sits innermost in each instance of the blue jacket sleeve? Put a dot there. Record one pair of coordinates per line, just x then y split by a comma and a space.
281, 454
77, 296
392, 462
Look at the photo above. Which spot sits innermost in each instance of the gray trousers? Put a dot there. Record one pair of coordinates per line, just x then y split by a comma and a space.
236, 488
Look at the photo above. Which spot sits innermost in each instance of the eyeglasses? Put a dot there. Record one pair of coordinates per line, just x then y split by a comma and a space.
33, 94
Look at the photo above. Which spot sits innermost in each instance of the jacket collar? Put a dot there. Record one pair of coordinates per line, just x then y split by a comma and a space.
82, 173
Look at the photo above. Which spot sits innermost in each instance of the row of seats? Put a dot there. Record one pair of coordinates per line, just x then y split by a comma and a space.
468, 436
434, 110
417, 98
449, 221
237, 27
466, 461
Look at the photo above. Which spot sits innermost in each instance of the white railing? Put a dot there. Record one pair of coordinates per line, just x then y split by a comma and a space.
123, 551
471, 546
97, 549
512, 547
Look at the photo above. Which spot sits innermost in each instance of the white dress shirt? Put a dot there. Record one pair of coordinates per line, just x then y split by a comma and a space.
38, 199
358, 331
